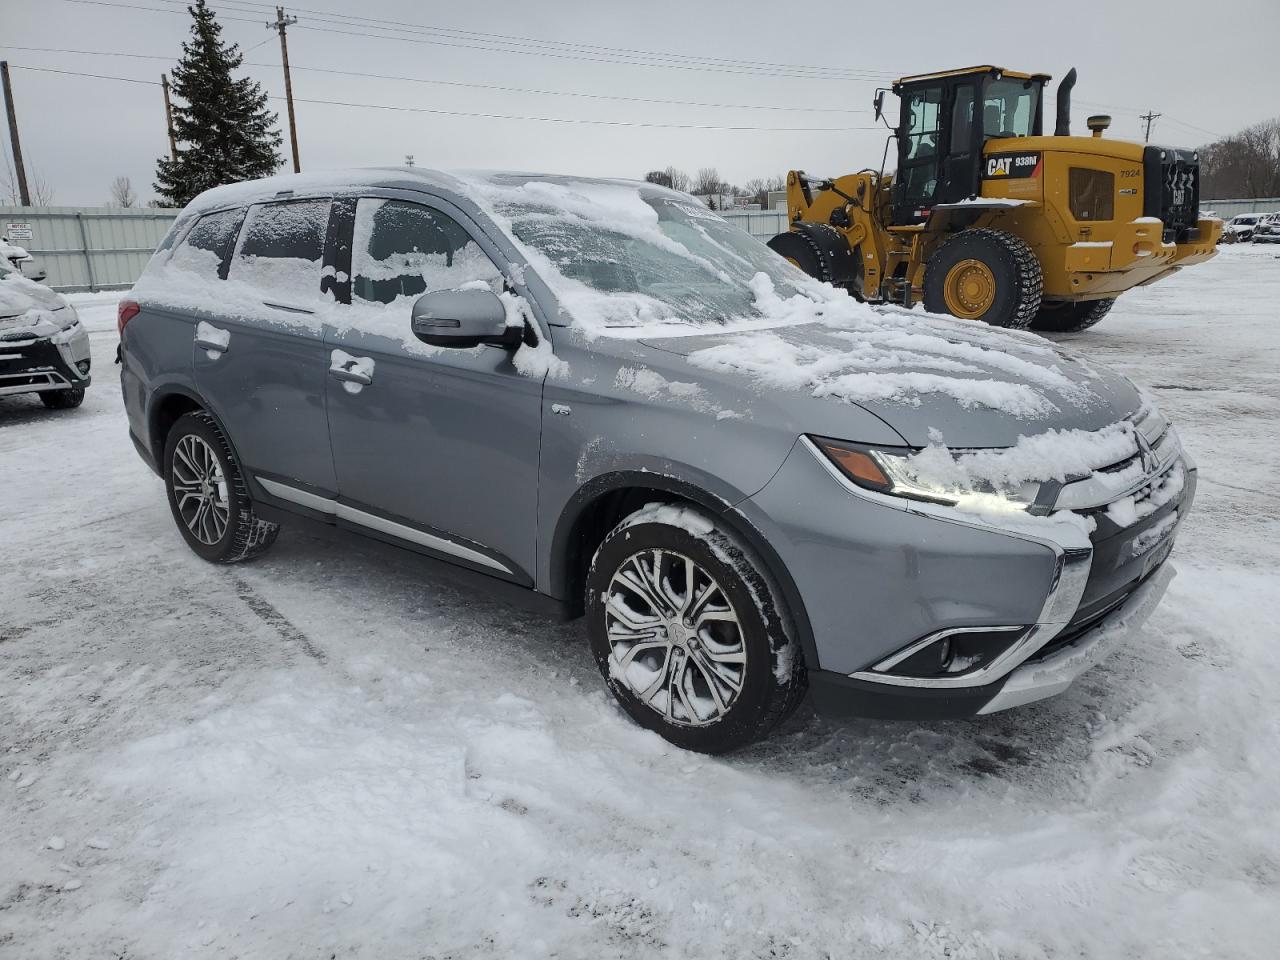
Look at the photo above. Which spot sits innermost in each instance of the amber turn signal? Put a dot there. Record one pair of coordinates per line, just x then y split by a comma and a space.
858, 465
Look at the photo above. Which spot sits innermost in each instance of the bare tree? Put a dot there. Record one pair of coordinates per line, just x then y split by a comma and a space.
707, 180
758, 189
1245, 165
659, 177
679, 179
37, 187
122, 194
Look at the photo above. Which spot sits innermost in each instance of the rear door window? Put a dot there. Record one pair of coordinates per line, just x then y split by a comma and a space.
281, 249
206, 249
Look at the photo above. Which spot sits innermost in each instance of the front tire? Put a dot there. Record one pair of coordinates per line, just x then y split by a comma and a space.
986, 275
803, 252
207, 494
689, 633
1071, 317
63, 399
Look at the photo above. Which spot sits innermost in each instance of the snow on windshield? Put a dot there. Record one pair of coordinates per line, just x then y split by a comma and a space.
621, 260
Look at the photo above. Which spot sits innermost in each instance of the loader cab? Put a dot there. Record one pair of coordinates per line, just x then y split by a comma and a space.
946, 118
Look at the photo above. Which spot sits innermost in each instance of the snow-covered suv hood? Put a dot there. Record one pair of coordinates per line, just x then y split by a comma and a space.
930, 378
31, 307
18, 295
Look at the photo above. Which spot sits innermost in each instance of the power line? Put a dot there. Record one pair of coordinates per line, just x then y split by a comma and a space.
486, 116
460, 83
488, 36
134, 6
663, 61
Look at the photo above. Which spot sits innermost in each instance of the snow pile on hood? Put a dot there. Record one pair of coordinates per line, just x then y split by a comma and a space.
896, 357
19, 295
31, 308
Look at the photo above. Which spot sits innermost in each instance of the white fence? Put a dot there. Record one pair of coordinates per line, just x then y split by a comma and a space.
88, 248
1227, 209
759, 223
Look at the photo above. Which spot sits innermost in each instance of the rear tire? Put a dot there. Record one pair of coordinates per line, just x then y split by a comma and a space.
207, 493
1071, 317
986, 275
63, 399
689, 633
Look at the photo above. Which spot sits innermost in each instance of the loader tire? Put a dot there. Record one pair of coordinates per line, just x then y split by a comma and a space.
1071, 317
802, 250
986, 275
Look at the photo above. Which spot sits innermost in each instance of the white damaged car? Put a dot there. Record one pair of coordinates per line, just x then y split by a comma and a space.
44, 348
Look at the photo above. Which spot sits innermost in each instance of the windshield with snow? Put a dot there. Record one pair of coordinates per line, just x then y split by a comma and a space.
623, 260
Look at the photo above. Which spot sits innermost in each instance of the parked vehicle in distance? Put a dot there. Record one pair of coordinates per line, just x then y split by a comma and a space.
18, 258
1239, 229
1267, 229
43, 347
601, 394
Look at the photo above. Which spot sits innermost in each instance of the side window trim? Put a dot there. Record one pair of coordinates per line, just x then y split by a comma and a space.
337, 249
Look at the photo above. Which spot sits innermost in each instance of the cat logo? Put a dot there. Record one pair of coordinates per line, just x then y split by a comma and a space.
1012, 166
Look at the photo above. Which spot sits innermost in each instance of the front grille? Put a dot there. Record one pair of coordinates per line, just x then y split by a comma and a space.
1171, 191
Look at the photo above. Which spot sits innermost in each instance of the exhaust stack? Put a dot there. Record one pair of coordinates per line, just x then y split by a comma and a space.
1063, 127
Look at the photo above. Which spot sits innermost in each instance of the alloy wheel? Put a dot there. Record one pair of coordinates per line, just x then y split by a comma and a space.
200, 489
674, 637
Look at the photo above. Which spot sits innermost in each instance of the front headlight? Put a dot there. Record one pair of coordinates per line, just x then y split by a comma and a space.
931, 476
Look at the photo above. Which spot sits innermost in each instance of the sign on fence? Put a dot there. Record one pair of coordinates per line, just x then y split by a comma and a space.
19, 231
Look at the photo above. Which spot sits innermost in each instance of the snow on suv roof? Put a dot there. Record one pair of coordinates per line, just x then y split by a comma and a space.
410, 178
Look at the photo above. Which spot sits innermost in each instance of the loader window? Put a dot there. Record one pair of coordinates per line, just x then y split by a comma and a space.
1009, 108
962, 118
918, 163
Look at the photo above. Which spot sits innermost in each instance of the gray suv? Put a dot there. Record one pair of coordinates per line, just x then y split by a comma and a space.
600, 396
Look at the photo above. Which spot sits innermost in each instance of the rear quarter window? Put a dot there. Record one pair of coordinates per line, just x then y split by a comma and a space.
207, 246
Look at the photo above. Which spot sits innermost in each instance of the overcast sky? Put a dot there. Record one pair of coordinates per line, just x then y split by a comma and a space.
1209, 68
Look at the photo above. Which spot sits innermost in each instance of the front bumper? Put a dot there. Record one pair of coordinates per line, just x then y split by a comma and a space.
1051, 674
41, 364
1040, 677
881, 582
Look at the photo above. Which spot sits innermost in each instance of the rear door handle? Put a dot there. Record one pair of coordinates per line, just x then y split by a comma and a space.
214, 340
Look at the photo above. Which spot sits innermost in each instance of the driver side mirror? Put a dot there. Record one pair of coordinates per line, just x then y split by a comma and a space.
463, 318
879, 103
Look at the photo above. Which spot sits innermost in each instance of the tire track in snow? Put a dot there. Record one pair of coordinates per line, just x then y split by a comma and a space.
277, 621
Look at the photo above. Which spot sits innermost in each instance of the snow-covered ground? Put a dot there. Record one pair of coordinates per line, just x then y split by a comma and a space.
329, 753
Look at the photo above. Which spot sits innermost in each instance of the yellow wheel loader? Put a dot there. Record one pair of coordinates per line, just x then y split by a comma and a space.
986, 218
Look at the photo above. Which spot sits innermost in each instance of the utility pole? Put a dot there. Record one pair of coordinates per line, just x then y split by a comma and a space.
281, 25
408, 159
23, 193
168, 117
1148, 117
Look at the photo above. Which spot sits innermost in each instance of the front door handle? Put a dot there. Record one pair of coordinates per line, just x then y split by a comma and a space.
355, 373
351, 375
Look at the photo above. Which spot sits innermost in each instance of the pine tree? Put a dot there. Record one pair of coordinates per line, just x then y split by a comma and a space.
225, 132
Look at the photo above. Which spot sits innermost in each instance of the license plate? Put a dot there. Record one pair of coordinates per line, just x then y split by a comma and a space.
1157, 556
